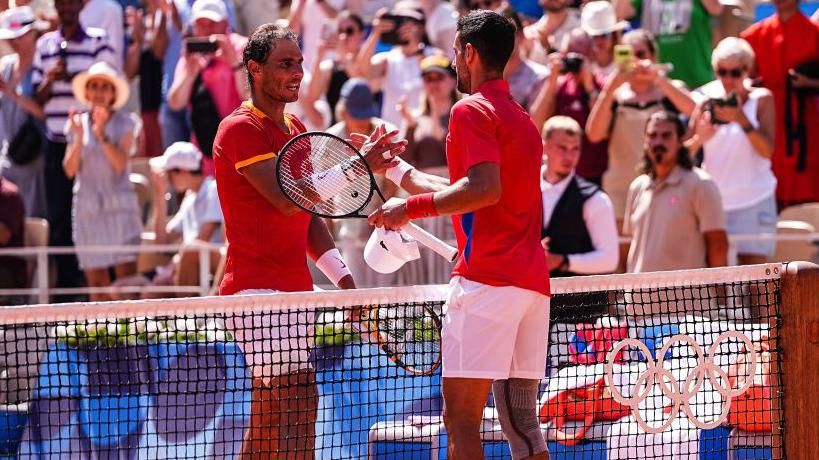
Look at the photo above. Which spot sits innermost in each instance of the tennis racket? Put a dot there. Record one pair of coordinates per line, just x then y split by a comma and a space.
410, 335
328, 177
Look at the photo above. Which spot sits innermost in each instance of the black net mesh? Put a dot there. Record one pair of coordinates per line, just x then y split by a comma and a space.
688, 372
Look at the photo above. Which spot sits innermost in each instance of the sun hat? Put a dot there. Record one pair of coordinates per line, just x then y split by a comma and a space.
16, 22
599, 18
179, 155
105, 71
387, 251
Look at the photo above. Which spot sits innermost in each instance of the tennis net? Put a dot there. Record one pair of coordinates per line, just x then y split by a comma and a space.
667, 365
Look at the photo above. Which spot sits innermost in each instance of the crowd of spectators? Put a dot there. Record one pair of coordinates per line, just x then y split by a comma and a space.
676, 123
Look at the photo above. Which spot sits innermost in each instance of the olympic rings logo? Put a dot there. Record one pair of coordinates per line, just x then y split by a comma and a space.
680, 394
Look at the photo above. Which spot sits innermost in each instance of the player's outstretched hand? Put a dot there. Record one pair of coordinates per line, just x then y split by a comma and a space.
392, 215
379, 148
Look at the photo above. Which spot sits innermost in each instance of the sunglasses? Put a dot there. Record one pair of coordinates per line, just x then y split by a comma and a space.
347, 30
432, 77
483, 4
642, 54
734, 73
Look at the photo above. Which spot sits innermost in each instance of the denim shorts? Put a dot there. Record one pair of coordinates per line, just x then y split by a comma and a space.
757, 219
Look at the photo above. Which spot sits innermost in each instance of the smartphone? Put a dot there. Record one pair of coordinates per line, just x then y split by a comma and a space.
728, 101
392, 37
200, 45
624, 57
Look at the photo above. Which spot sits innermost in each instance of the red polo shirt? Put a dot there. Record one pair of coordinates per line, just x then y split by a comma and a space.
266, 249
499, 244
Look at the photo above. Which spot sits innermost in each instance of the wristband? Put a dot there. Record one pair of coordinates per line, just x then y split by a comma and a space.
333, 266
396, 173
422, 205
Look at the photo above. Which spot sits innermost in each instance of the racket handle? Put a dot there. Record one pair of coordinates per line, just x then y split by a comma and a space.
431, 241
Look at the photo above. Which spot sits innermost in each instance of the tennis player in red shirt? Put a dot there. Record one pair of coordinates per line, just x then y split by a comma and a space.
497, 315
269, 239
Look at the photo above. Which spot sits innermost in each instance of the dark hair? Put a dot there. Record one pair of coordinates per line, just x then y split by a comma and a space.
261, 42
647, 38
509, 13
683, 156
492, 36
347, 14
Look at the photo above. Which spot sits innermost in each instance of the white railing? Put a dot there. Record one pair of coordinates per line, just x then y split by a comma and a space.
43, 291
41, 275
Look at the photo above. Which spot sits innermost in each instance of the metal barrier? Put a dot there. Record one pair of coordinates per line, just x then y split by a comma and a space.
41, 256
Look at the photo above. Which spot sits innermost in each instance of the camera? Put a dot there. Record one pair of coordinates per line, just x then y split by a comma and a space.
572, 62
728, 101
200, 45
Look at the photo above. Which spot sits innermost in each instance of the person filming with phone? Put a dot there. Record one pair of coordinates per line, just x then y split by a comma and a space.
209, 78
398, 69
734, 125
636, 90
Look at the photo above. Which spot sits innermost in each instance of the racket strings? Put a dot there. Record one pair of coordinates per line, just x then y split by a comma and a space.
412, 333
311, 164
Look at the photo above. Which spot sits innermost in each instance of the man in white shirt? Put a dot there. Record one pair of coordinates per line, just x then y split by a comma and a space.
199, 218
106, 15
579, 228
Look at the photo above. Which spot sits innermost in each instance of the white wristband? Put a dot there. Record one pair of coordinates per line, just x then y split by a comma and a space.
396, 173
333, 266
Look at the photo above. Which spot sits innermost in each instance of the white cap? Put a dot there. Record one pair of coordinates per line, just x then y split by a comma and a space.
599, 18
386, 250
215, 10
179, 155
16, 22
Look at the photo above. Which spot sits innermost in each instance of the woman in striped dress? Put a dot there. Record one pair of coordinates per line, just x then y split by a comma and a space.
106, 212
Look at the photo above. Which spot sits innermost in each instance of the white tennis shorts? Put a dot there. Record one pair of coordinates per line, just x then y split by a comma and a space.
494, 332
274, 342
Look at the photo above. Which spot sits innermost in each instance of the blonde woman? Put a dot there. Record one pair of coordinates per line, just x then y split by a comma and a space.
105, 202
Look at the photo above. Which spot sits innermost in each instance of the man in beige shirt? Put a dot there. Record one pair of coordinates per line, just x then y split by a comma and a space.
673, 211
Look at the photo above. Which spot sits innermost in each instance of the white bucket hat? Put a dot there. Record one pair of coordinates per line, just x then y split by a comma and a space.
16, 22
105, 71
599, 18
387, 251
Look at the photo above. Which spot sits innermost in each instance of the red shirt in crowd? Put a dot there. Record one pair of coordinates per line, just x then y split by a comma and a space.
499, 244
265, 248
780, 46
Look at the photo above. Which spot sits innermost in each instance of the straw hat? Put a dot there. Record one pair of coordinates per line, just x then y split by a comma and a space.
599, 18
105, 71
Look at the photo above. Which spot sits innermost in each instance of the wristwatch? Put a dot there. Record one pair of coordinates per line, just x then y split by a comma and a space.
748, 128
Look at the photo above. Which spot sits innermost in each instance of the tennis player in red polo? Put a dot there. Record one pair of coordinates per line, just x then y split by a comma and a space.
269, 239
497, 315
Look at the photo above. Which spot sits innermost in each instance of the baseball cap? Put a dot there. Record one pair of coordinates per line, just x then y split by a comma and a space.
358, 99
437, 63
16, 22
387, 251
179, 155
215, 10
